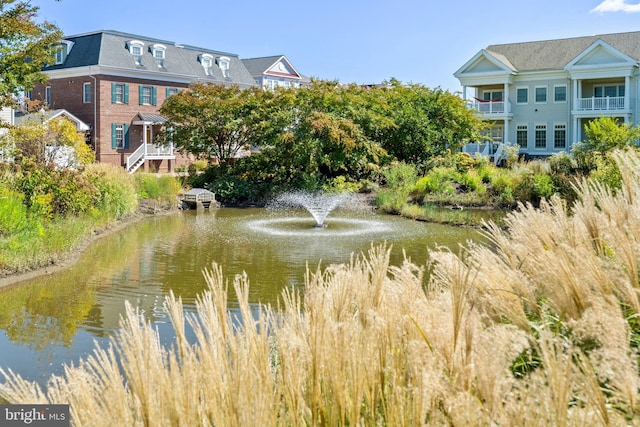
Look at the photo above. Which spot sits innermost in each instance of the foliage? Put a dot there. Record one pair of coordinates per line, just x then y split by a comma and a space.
44, 143
341, 184
400, 179
426, 122
213, 121
539, 327
160, 189
25, 48
116, 194
593, 156
307, 137
13, 213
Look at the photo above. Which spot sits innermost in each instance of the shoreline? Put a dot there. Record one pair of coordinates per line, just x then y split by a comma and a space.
66, 261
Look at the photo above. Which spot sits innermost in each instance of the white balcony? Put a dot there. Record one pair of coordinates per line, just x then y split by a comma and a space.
607, 103
488, 107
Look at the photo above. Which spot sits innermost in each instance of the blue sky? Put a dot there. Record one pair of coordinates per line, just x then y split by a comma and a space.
362, 41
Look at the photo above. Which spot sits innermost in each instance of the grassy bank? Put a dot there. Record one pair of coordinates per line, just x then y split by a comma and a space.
46, 215
540, 330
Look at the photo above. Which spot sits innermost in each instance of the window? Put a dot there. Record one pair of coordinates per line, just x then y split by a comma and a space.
541, 136
492, 95
158, 51
60, 54
522, 136
147, 95
172, 91
522, 95
136, 49
119, 93
207, 63
86, 92
47, 95
223, 63
560, 136
608, 91
559, 94
119, 135
541, 94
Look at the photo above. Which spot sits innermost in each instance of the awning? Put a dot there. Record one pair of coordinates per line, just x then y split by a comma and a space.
149, 119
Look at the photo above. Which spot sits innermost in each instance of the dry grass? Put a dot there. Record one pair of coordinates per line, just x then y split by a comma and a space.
373, 344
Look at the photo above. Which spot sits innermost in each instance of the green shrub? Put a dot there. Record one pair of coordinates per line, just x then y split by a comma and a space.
13, 212
543, 186
231, 190
341, 184
116, 194
562, 163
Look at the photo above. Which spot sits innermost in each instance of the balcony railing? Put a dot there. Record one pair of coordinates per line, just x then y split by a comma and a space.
488, 107
148, 151
608, 103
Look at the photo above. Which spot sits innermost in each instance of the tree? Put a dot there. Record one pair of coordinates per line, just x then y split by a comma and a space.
25, 48
604, 135
426, 122
50, 143
216, 121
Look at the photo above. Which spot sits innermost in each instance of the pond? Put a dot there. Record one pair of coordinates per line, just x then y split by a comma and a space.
58, 318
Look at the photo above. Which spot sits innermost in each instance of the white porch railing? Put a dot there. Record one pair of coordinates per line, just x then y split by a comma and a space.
608, 103
488, 107
148, 151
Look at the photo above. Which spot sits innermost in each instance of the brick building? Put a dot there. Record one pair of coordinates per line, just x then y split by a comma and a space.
116, 82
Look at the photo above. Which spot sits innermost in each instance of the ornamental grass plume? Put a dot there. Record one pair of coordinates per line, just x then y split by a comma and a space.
538, 328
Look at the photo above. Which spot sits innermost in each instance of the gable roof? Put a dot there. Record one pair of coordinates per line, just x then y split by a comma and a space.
46, 115
556, 54
109, 49
265, 65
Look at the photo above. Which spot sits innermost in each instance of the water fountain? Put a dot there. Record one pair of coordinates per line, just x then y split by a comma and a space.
319, 205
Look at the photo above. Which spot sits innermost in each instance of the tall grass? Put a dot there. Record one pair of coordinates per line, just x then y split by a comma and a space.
539, 329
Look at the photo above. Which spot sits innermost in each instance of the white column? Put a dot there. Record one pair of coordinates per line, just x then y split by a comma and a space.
144, 138
627, 89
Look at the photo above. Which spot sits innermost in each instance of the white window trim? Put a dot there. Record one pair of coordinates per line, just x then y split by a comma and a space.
157, 48
206, 61
566, 94
159, 53
47, 95
120, 142
535, 134
522, 88
132, 43
566, 135
535, 95
65, 47
60, 50
224, 62
84, 92
526, 128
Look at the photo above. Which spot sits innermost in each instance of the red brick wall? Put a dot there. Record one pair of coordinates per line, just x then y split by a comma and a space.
68, 94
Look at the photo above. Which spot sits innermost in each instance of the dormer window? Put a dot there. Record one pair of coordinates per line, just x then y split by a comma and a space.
158, 52
207, 63
223, 63
60, 54
136, 49
61, 51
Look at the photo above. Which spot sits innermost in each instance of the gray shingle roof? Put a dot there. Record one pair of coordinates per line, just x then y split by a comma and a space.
109, 49
556, 54
257, 66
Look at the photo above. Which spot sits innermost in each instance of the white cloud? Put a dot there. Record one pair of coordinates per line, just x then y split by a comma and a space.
616, 6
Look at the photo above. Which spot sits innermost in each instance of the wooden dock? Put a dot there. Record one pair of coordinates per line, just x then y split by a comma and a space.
200, 198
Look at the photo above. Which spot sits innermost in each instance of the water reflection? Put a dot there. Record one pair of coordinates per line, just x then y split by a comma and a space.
55, 319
